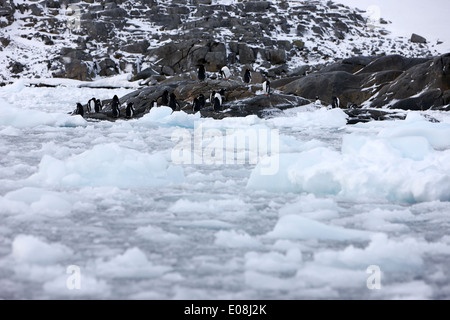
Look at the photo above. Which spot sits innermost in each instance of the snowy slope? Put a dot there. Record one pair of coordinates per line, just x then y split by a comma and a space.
117, 39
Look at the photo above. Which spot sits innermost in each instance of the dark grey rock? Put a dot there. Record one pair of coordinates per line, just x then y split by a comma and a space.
415, 38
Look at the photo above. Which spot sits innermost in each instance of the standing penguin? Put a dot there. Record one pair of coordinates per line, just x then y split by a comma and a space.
98, 106
79, 110
201, 73
266, 87
217, 103
173, 103
130, 110
154, 104
165, 98
335, 102
195, 105
225, 73
115, 107
318, 103
211, 97
201, 100
247, 76
91, 105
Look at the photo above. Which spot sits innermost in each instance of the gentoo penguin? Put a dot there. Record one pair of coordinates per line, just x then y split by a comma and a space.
196, 105
130, 110
225, 73
154, 104
165, 98
335, 102
266, 87
219, 96
98, 106
318, 103
115, 107
201, 73
211, 97
91, 105
247, 76
80, 110
173, 103
201, 100
217, 103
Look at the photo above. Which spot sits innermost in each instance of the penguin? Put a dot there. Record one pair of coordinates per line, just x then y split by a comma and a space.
98, 106
201, 73
154, 104
173, 103
201, 100
196, 105
211, 97
222, 95
115, 107
219, 97
247, 76
318, 103
335, 102
79, 110
266, 87
217, 103
165, 98
225, 73
130, 110
91, 105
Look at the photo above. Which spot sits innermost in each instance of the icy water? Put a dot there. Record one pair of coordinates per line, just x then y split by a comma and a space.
99, 210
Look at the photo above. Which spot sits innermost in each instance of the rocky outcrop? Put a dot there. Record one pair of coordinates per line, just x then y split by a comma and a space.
175, 36
387, 81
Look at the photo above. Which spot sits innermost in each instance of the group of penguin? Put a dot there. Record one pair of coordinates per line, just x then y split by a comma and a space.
216, 98
96, 105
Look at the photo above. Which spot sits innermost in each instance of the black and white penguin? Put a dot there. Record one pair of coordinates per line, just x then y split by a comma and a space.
91, 105
154, 104
165, 98
335, 102
173, 103
130, 110
201, 73
115, 107
79, 110
196, 105
247, 76
217, 103
266, 87
211, 97
201, 100
318, 103
225, 73
98, 106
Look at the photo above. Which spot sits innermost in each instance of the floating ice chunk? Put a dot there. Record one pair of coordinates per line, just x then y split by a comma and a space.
309, 117
415, 125
235, 239
90, 287
30, 249
40, 201
133, 263
274, 261
366, 168
390, 255
20, 118
156, 234
108, 165
166, 116
297, 227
